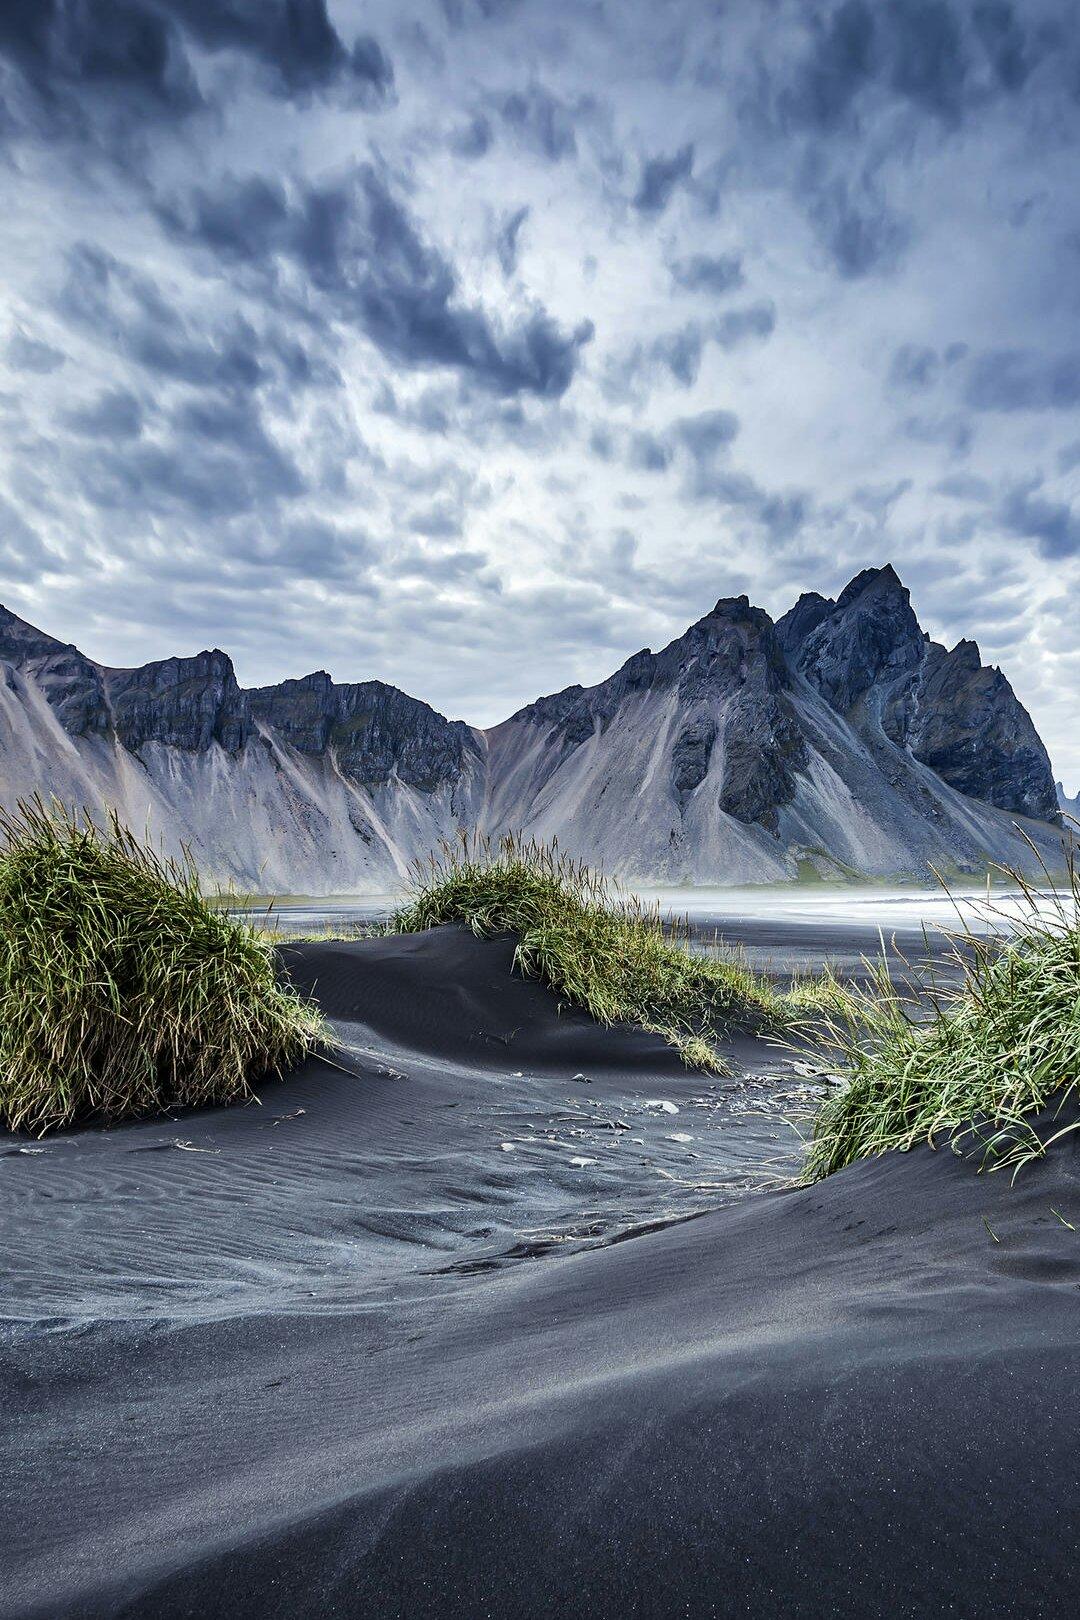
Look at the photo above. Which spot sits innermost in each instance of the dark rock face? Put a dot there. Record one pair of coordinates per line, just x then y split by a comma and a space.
868, 657
690, 756
179, 702
731, 681
793, 627
72, 685
970, 727
869, 638
373, 731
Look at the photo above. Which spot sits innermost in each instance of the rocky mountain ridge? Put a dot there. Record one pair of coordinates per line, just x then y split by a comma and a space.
839, 739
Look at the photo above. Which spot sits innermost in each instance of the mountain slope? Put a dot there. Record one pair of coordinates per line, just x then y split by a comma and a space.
306, 787
839, 737
744, 747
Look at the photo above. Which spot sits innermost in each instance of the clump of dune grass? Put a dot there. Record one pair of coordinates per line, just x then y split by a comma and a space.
600, 950
123, 992
967, 1065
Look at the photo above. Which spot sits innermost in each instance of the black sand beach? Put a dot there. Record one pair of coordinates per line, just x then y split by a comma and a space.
485, 1321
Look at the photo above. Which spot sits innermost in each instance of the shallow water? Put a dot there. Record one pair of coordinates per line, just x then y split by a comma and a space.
780, 929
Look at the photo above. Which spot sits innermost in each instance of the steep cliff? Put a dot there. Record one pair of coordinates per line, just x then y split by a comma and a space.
869, 659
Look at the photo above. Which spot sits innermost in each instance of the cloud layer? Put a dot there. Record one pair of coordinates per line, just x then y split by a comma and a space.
473, 345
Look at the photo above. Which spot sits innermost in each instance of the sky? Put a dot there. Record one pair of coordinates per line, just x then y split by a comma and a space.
472, 345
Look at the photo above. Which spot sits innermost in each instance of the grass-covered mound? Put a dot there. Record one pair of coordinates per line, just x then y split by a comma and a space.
606, 953
122, 991
970, 1065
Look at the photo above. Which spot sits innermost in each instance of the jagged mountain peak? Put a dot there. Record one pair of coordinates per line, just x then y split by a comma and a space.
881, 580
839, 734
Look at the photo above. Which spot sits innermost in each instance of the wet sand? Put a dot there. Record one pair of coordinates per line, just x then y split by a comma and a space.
494, 1318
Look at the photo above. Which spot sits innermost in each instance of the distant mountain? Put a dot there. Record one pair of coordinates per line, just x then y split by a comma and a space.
1069, 807
839, 739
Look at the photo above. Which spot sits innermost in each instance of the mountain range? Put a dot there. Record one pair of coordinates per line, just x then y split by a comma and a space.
837, 740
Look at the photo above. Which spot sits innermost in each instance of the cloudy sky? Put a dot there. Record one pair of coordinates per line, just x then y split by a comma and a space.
474, 344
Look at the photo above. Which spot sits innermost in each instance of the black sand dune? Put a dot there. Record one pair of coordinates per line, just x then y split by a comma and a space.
364, 1360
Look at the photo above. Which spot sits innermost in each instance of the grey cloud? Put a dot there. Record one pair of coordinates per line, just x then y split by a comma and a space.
780, 515
602, 443
115, 414
1052, 524
739, 326
126, 45
680, 352
709, 431
1010, 51
854, 223
213, 458
1022, 380
108, 299
953, 431
442, 521
309, 547
141, 48
506, 240
540, 121
842, 60
659, 178
914, 50
928, 60
25, 353
706, 272
23, 556
361, 249
964, 487
915, 367
648, 453
473, 139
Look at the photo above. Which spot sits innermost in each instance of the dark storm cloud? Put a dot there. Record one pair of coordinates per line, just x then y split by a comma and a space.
917, 51
215, 460
360, 248
115, 414
141, 45
738, 326
1022, 380
128, 45
709, 431
473, 139
659, 178
541, 121
23, 555
1010, 52
25, 353
126, 308
780, 515
853, 222
705, 272
1053, 524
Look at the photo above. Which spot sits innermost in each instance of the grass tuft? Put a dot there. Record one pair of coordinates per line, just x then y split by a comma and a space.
602, 951
967, 1065
123, 992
